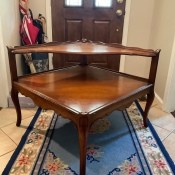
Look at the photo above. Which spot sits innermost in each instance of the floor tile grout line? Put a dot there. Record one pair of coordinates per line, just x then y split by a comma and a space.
166, 137
8, 125
15, 122
8, 137
172, 132
6, 153
162, 127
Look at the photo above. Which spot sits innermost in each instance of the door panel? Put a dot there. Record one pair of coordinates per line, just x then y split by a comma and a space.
101, 30
94, 20
73, 30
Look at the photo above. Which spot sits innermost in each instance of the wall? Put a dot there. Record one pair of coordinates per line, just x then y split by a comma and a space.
152, 25
9, 15
139, 31
162, 37
9, 34
169, 100
3, 78
37, 7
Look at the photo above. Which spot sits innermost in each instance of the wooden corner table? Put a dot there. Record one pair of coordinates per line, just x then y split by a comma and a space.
83, 93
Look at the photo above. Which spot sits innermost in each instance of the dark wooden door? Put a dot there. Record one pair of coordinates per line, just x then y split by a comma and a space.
96, 20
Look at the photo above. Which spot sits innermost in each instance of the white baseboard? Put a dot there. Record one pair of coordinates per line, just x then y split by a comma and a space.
25, 102
158, 100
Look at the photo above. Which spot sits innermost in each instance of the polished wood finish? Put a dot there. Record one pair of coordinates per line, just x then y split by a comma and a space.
14, 92
94, 85
84, 47
87, 21
83, 93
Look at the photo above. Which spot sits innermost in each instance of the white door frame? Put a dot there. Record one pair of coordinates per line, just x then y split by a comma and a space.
169, 95
125, 33
4, 88
49, 28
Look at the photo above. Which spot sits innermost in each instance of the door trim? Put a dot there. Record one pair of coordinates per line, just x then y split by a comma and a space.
4, 88
49, 28
125, 33
125, 29
168, 99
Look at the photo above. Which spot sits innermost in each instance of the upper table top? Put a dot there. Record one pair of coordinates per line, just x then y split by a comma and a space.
84, 47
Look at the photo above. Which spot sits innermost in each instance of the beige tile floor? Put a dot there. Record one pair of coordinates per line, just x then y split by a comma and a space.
10, 135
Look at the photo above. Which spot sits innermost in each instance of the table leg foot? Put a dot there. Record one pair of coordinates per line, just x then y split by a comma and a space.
15, 99
149, 101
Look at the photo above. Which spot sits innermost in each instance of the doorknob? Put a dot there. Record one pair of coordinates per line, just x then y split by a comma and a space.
119, 12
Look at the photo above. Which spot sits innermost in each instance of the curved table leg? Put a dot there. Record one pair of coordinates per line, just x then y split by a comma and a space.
15, 99
83, 135
149, 101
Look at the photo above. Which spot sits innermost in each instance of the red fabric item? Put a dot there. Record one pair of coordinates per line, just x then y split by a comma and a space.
28, 31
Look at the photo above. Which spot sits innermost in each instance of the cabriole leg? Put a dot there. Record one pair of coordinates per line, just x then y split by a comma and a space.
15, 99
83, 134
149, 101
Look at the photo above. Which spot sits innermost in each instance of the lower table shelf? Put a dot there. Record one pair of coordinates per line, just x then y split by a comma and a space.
82, 89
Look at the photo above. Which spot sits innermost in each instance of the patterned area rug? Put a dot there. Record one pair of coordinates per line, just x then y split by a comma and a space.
117, 145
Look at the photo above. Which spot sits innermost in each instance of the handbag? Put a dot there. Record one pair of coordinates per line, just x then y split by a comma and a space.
28, 31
